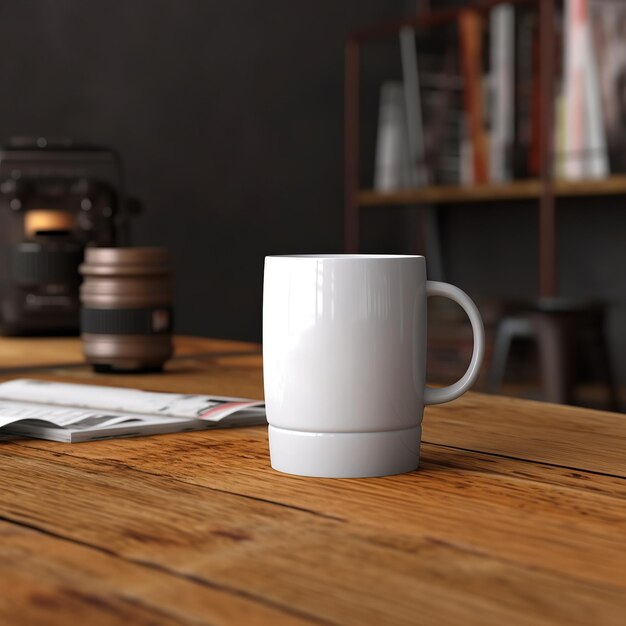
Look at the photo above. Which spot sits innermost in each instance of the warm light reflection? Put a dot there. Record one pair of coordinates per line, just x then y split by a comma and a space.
37, 221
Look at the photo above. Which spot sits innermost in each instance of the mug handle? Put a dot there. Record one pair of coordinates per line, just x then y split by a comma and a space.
437, 395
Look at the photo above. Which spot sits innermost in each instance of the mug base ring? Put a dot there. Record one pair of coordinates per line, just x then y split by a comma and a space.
344, 455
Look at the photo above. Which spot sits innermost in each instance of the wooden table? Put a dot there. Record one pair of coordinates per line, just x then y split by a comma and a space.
516, 516
32, 352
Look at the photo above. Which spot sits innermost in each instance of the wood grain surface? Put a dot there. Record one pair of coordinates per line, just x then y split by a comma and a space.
34, 352
527, 189
517, 515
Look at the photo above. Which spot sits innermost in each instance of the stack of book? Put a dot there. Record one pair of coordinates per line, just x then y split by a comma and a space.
472, 114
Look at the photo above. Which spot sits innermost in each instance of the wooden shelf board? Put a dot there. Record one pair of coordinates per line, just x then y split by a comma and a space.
519, 190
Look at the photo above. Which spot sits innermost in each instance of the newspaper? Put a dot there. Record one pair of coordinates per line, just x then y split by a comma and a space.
73, 413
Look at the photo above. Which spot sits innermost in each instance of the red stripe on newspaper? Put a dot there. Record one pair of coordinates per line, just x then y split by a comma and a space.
229, 406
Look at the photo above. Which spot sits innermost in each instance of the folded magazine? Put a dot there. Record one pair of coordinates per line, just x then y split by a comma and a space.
75, 412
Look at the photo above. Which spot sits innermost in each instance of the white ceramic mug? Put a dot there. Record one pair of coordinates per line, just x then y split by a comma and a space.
344, 353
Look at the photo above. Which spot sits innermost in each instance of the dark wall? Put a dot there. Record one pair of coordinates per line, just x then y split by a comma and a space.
228, 116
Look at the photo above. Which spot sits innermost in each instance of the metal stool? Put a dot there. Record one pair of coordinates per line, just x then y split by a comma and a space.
558, 326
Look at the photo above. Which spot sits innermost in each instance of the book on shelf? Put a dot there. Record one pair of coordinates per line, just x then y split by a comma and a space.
535, 157
413, 108
442, 112
559, 136
415, 117
392, 167
470, 50
466, 176
526, 35
585, 142
75, 413
607, 19
596, 137
502, 59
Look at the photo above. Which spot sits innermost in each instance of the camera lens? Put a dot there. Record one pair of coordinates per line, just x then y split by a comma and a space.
35, 263
126, 316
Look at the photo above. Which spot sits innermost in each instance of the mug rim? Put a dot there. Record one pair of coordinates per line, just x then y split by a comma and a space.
345, 257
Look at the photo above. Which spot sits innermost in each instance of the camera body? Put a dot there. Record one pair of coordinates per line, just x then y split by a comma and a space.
56, 198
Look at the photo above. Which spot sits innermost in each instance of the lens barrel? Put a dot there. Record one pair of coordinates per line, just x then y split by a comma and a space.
126, 315
34, 263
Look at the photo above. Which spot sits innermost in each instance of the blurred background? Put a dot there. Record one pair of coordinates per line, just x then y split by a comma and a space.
229, 118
